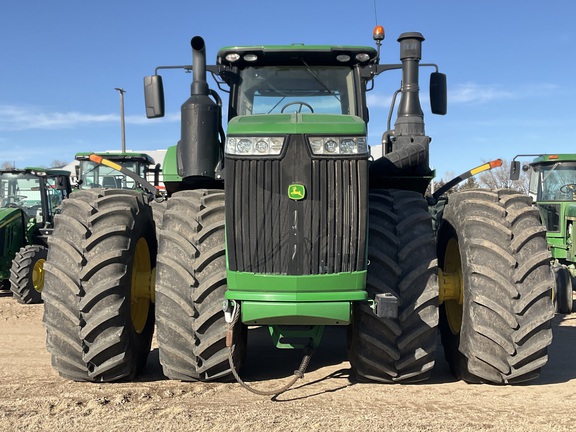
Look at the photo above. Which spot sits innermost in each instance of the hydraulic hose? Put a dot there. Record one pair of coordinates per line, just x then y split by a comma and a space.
299, 373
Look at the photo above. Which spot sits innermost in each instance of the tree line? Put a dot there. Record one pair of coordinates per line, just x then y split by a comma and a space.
496, 178
6, 166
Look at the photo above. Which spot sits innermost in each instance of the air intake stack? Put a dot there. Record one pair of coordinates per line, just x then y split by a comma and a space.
406, 147
410, 121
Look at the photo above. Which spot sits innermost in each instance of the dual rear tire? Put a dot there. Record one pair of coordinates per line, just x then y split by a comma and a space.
495, 287
402, 262
191, 283
98, 311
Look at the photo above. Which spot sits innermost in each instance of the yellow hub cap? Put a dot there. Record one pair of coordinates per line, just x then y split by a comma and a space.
451, 286
38, 275
141, 289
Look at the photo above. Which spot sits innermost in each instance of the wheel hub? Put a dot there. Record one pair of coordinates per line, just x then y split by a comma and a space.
38, 275
141, 288
451, 286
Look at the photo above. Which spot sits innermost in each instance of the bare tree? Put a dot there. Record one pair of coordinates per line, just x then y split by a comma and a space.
6, 165
58, 163
498, 178
470, 183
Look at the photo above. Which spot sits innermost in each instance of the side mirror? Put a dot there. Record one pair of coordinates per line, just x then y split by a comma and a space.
61, 183
154, 96
515, 170
438, 93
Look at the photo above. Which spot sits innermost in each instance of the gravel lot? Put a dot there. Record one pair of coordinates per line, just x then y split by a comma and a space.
34, 398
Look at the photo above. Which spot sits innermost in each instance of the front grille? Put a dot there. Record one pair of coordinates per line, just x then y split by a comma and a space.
269, 233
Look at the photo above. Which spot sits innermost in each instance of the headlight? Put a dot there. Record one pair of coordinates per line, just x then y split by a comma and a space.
254, 146
338, 145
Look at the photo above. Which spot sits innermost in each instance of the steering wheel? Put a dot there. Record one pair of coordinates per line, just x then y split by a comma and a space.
300, 103
15, 198
568, 188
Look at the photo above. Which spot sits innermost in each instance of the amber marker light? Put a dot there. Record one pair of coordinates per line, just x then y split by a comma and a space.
378, 33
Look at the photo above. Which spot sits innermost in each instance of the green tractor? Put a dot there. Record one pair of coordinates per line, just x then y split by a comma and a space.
285, 221
553, 188
92, 173
29, 199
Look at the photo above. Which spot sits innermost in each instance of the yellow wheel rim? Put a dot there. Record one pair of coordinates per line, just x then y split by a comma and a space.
38, 275
451, 286
141, 289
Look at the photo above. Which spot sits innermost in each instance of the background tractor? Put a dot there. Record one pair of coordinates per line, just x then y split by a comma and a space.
29, 199
284, 221
92, 174
553, 189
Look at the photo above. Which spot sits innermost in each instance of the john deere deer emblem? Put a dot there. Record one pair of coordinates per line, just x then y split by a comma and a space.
296, 191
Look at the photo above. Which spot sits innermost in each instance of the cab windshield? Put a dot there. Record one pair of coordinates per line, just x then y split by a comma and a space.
25, 191
102, 176
556, 182
301, 89
20, 190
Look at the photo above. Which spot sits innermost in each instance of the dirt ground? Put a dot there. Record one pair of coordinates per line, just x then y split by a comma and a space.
34, 398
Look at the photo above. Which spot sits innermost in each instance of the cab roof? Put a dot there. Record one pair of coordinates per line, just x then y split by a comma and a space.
37, 171
295, 55
552, 158
117, 156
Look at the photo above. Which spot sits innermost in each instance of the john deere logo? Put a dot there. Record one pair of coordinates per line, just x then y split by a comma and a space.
296, 191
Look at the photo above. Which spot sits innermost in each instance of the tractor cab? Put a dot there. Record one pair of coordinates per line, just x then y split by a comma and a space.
95, 175
29, 200
37, 192
553, 187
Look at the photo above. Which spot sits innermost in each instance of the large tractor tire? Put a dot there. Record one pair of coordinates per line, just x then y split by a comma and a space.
158, 209
402, 262
190, 288
27, 274
495, 287
98, 310
563, 291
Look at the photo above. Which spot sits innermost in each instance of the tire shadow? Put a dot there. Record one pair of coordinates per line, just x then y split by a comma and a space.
561, 366
265, 362
153, 369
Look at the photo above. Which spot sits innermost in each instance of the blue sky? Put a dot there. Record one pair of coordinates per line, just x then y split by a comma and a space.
511, 69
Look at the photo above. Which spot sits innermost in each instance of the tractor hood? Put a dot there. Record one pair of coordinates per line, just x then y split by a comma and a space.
8, 215
297, 123
570, 212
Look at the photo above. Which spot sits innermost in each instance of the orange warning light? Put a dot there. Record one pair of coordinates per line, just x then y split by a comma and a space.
378, 34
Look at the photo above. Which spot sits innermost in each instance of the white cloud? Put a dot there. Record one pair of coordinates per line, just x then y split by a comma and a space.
15, 118
378, 100
472, 93
476, 93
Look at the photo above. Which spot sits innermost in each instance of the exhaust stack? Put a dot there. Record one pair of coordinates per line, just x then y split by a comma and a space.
199, 83
199, 148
